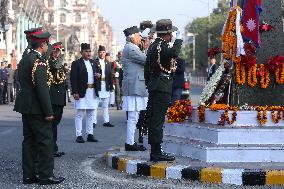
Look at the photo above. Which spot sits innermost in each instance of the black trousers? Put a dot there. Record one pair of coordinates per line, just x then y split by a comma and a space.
58, 111
157, 109
37, 147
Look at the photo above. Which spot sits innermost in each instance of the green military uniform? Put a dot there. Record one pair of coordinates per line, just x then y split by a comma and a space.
33, 102
159, 83
57, 94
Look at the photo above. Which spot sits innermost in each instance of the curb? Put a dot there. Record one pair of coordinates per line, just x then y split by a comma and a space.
213, 175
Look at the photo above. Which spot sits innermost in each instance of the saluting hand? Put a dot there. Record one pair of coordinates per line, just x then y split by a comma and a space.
49, 118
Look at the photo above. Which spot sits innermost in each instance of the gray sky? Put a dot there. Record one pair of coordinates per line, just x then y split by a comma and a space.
125, 13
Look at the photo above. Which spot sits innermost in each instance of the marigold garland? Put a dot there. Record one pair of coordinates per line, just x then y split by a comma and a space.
60, 77
49, 74
179, 111
201, 113
240, 74
262, 114
225, 117
279, 77
229, 37
264, 78
252, 79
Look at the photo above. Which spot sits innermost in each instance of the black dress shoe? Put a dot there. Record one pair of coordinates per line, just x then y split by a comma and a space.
134, 147
91, 138
108, 124
80, 139
30, 180
51, 180
57, 154
161, 156
94, 125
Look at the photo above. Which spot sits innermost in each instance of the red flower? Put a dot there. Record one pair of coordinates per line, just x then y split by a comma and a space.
264, 27
248, 61
274, 63
250, 49
212, 52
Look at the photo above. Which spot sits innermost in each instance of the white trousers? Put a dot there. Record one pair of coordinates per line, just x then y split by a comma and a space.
131, 126
79, 115
112, 98
105, 102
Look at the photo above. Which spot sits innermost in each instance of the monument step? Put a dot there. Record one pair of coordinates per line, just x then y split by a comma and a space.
210, 152
244, 118
225, 135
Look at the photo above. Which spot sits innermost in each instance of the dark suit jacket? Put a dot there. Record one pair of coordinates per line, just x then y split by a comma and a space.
79, 77
178, 77
211, 71
108, 75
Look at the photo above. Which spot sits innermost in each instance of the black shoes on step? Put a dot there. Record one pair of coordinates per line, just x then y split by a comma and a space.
134, 147
80, 139
91, 138
162, 156
51, 180
58, 154
108, 124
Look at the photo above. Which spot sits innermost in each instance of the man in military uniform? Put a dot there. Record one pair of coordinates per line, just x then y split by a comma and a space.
57, 91
160, 64
29, 33
33, 102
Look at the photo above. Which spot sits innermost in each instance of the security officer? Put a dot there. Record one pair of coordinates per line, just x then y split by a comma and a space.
57, 91
146, 34
160, 64
29, 33
33, 102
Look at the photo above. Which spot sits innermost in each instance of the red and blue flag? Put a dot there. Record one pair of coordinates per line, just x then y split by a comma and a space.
251, 20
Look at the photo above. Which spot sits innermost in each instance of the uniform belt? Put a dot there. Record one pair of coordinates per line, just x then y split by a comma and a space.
90, 85
103, 79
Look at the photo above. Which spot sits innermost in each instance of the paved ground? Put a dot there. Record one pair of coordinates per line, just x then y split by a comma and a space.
82, 165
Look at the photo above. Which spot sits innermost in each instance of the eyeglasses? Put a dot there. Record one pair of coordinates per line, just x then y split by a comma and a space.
88, 51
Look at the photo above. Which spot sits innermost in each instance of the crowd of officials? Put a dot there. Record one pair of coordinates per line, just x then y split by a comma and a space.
143, 81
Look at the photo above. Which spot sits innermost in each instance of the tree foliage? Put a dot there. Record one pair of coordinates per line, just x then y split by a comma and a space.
201, 27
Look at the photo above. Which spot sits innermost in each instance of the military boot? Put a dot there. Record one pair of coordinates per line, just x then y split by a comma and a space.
157, 154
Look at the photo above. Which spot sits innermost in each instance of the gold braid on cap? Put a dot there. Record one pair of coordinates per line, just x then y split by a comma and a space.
49, 74
173, 65
60, 77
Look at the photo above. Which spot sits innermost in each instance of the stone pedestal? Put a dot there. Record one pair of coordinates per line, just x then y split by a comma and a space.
240, 142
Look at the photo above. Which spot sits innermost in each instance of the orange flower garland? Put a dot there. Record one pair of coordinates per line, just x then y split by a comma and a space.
226, 107
179, 111
252, 79
229, 37
240, 74
201, 113
264, 78
279, 76
234, 115
262, 114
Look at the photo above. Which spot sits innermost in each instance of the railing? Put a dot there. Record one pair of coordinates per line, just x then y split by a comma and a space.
199, 81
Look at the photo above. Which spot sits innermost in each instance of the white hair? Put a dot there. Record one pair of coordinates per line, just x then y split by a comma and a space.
130, 38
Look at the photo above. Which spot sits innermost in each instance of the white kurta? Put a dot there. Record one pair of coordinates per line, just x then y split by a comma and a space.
103, 93
90, 101
134, 103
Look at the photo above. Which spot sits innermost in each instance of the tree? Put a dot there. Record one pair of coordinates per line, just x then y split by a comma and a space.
200, 27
